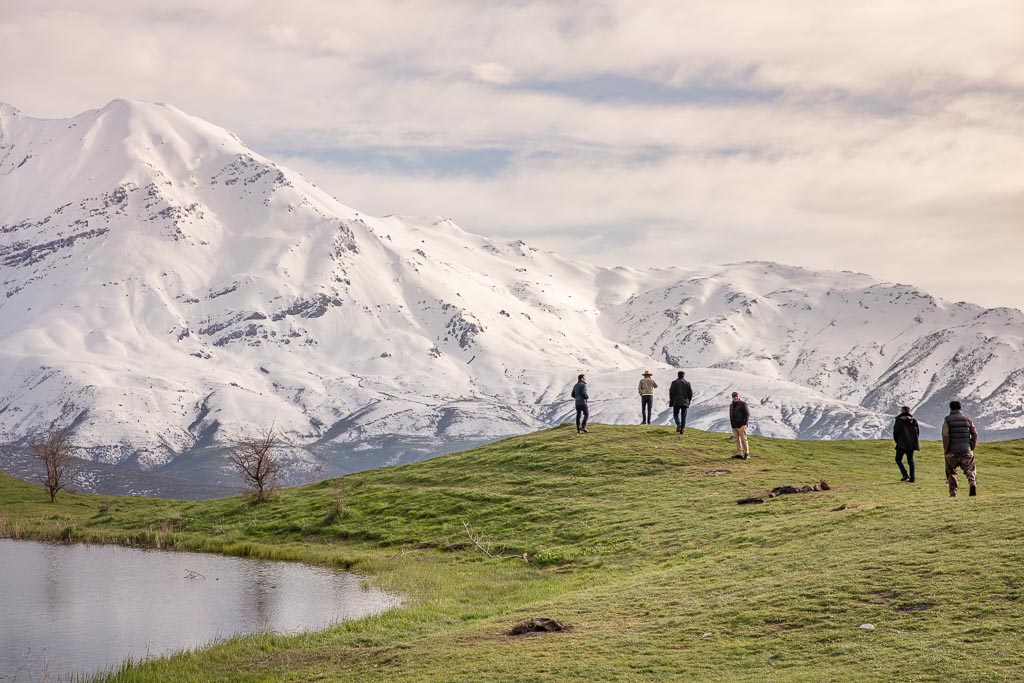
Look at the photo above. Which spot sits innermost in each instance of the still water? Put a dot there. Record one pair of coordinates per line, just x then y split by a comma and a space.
68, 609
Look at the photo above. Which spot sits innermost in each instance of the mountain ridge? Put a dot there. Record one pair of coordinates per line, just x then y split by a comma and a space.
173, 290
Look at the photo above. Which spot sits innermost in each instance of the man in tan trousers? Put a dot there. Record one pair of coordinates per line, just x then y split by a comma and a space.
739, 416
646, 391
959, 439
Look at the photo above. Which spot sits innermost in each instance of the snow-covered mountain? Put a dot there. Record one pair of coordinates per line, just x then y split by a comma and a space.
848, 336
167, 290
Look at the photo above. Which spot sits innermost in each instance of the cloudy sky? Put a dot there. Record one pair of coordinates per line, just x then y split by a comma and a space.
880, 136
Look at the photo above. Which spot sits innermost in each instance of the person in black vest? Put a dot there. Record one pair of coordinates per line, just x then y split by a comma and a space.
959, 439
680, 394
579, 393
739, 416
906, 433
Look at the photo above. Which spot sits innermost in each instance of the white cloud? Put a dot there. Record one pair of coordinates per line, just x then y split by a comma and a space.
490, 72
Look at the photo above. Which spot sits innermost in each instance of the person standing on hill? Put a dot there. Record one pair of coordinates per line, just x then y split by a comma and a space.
959, 439
906, 433
739, 416
680, 393
580, 395
646, 390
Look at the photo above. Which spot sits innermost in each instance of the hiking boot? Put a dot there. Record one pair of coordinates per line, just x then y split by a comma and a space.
905, 478
585, 430
747, 456
952, 494
974, 490
910, 481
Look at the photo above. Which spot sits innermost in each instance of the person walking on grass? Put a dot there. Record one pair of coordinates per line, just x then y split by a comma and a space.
680, 394
959, 439
580, 395
906, 433
646, 390
739, 416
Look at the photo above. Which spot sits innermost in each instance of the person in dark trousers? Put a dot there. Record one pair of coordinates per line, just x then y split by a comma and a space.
959, 439
579, 393
906, 433
739, 416
680, 394
646, 391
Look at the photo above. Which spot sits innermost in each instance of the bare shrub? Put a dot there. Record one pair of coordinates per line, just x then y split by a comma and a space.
257, 463
55, 452
337, 508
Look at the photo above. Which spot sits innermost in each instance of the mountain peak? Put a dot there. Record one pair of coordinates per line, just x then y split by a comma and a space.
126, 103
140, 108
155, 117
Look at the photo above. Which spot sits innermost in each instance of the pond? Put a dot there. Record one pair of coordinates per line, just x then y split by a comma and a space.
78, 609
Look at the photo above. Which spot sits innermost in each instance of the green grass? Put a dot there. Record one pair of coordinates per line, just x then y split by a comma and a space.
658, 571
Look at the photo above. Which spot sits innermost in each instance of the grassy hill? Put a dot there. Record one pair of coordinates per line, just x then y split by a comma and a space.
649, 559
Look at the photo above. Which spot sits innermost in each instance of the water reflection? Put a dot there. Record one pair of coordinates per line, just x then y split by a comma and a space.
78, 608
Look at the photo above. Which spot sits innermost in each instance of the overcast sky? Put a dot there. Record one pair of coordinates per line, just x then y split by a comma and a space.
880, 136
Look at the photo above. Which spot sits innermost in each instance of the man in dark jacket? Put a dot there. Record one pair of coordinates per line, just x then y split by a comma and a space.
579, 393
906, 433
959, 439
739, 416
680, 394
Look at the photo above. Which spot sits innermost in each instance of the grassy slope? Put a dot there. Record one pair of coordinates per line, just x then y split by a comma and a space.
634, 547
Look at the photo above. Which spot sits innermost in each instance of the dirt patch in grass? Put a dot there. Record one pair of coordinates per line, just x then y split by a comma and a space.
786, 490
789, 490
915, 607
782, 625
537, 625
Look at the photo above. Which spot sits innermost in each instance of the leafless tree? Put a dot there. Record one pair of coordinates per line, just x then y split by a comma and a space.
54, 450
257, 463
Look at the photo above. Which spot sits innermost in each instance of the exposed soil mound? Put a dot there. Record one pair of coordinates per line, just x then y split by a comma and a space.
788, 490
785, 490
537, 625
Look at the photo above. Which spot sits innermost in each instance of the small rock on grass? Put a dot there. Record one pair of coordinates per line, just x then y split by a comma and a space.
868, 627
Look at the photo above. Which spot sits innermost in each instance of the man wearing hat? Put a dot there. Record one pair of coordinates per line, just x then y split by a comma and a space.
646, 389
